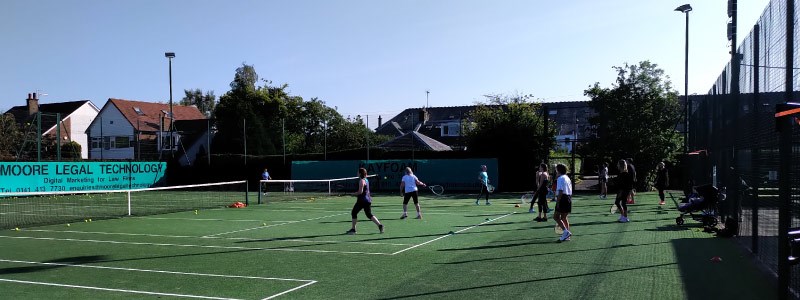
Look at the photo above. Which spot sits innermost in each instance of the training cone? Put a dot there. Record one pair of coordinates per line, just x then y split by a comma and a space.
716, 259
451, 232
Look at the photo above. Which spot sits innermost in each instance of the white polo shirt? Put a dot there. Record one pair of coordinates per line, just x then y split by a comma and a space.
564, 185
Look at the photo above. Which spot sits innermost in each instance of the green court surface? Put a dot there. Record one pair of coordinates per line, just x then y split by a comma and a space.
298, 250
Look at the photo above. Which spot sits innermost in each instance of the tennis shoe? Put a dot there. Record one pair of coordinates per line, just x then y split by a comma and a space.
624, 220
661, 203
487, 203
476, 202
565, 236
380, 228
537, 219
351, 232
532, 211
419, 217
403, 216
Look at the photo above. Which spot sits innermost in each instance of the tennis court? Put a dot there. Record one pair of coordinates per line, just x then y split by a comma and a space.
296, 249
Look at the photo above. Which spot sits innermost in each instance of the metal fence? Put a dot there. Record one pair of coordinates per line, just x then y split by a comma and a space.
732, 131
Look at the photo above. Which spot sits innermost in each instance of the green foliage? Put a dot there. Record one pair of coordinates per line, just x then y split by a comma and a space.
509, 125
9, 137
204, 102
274, 119
636, 118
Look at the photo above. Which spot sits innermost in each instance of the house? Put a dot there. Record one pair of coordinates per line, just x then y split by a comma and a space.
416, 141
128, 129
446, 124
71, 118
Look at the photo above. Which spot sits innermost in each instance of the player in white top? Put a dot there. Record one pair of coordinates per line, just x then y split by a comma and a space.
564, 204
408, 187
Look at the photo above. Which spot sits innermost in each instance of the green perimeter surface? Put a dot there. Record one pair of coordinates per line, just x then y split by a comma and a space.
297, 250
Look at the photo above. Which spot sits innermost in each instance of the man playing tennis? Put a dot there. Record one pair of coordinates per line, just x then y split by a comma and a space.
564, 204
408, 186
483, 177
265, 176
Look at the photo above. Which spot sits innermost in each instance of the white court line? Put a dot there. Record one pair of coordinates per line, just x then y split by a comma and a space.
113, 290
307, 282
444, 236
260, 227
195, 246
195, 219
201, 237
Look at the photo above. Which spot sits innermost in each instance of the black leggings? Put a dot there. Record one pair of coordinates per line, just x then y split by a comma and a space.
366, 206
484, 190
411, 195
622, 200
660, 194
540, 198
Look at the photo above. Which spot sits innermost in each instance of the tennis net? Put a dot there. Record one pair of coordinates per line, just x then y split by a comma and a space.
305, 189
42, 208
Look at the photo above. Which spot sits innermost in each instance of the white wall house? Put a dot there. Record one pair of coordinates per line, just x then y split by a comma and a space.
128, 129
71, 117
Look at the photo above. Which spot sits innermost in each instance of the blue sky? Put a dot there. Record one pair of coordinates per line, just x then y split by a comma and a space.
363, 57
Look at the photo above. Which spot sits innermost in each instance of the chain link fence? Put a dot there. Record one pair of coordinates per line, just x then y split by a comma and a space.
736, 146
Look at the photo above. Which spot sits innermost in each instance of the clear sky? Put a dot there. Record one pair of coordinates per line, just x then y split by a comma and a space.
364, 57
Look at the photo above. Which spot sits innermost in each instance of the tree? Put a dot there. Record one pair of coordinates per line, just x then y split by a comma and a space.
511, 128
9, 137
275, 119
204, 102
636, 118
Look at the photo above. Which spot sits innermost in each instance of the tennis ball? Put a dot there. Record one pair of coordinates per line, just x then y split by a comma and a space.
67, 225
90, 220
86, 220
384, 177
16, 228
265, 224
195, 211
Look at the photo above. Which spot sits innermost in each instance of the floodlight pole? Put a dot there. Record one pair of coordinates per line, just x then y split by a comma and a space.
170, 56
686, 8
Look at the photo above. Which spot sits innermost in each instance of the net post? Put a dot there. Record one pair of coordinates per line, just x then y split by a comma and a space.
246, 192
128, 194
260, 191
329, 187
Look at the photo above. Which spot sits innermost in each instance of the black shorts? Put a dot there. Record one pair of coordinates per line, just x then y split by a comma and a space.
602, 179
412, 195
564, 204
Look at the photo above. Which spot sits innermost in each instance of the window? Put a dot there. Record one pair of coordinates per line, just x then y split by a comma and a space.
107, 142
122, 142
451, 129
97, 142
138, 111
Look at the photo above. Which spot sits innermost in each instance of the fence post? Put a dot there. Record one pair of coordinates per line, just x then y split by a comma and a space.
785, 154
756, 147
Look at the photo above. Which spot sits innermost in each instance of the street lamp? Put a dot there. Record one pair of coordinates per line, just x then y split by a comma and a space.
686, 8
170, 56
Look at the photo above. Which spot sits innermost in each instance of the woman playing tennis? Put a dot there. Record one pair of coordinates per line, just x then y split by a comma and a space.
408, 186
483, 177
625, 183
564, 204
542, 183
363, 201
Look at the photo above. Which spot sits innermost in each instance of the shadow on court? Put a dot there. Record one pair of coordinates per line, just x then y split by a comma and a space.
56, 263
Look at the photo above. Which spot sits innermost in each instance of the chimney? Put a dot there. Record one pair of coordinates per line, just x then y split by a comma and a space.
380, 121
33, 104
423, 115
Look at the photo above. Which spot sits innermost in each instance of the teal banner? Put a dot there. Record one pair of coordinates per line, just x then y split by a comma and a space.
29, 177
452, 174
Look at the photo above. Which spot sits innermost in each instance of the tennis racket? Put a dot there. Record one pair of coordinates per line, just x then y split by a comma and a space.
436, 189
527, 198
490, 188
558, 230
